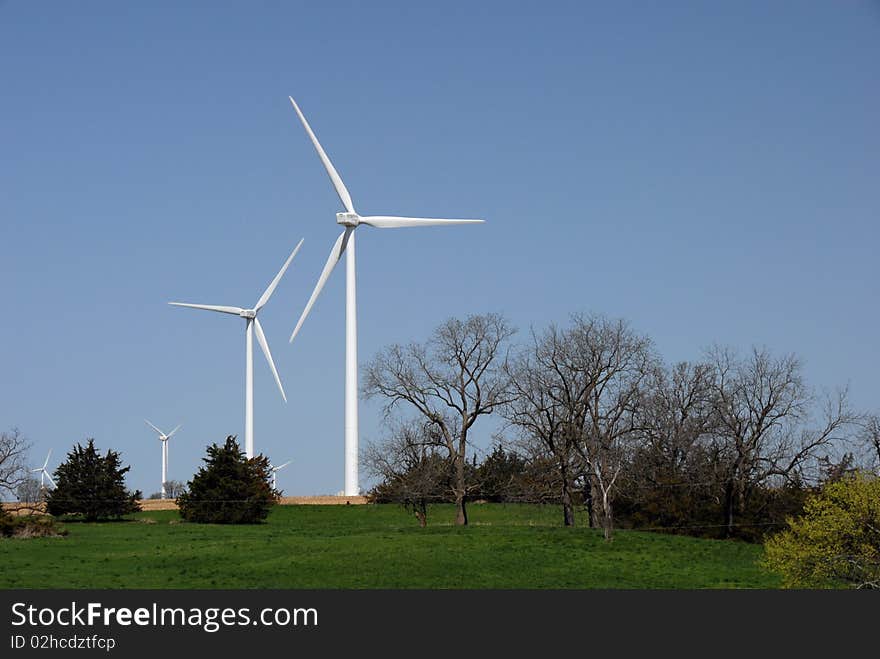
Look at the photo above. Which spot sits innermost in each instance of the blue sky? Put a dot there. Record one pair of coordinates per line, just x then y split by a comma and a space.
706, 170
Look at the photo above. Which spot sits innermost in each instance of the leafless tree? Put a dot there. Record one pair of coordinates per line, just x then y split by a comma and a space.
676, 415
13, 456
869, 437
548, 389
762, 408
617, 363
451, 380
676, 424
576, 391
174, 489
29, 490
410, 465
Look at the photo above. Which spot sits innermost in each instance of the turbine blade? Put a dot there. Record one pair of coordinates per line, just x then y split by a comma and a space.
209, 307
154, 427
393, 222
332, 260
282, 466
331, 170
48, 455
271, 289
261, 339
168, 436
51, 480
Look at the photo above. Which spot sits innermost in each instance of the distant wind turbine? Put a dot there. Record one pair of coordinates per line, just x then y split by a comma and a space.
164, 439
275, 470
253, 326
351, 220
44, 473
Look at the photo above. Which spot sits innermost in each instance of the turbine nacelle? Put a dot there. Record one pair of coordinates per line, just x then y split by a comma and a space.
248, 313
348, 219
160, 435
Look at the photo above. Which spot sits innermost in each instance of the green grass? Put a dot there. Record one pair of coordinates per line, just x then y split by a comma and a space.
506, 546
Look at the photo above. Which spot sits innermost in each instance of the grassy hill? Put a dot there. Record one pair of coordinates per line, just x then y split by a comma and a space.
506, 546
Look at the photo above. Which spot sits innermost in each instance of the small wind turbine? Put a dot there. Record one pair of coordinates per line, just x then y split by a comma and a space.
275, 470
44, 473
350, 220
253, 327
164, 439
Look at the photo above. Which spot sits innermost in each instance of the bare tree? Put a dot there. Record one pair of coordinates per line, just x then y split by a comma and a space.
577, 392
29, 490
174, 489
451, 380
870, 439
762, 408
616, 362
676, 415
411, 469
676, 464
13, 468
548, 388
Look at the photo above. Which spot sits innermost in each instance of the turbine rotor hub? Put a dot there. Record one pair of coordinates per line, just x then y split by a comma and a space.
248, 313
348, 219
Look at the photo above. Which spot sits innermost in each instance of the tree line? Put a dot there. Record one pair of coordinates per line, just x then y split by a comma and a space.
592, 418
229, 489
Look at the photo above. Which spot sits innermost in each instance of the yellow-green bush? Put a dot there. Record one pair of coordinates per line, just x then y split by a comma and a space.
836, 541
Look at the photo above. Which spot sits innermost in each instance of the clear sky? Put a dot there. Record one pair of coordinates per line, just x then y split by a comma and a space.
707, 170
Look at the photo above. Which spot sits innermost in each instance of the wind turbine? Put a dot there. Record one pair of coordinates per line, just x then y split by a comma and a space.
164, 439
44, 473
275, 470
351, 220
253, 327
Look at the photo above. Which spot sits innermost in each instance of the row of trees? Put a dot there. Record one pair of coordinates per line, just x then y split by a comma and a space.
592, 415
229, 488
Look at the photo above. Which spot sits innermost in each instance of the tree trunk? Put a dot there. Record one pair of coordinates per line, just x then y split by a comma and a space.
567, 507
608, 516
421, 512
460, 510
588, 501
595, 522
460, 490
729, 505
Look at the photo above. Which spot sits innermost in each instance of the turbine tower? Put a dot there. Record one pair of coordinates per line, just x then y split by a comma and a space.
252, 327
350, 220
275, 470
164, 439
44, 473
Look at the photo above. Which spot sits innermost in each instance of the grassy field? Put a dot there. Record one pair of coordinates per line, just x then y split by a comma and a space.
506, 546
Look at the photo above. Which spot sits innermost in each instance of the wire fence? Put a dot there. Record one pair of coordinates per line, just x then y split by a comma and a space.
19, 508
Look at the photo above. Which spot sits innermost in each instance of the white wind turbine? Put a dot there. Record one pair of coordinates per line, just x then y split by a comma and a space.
253, 327
164, 439
44, 473
351, 220
275, 470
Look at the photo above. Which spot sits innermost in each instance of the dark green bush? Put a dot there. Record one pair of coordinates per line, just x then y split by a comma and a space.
91, 486
229, 489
